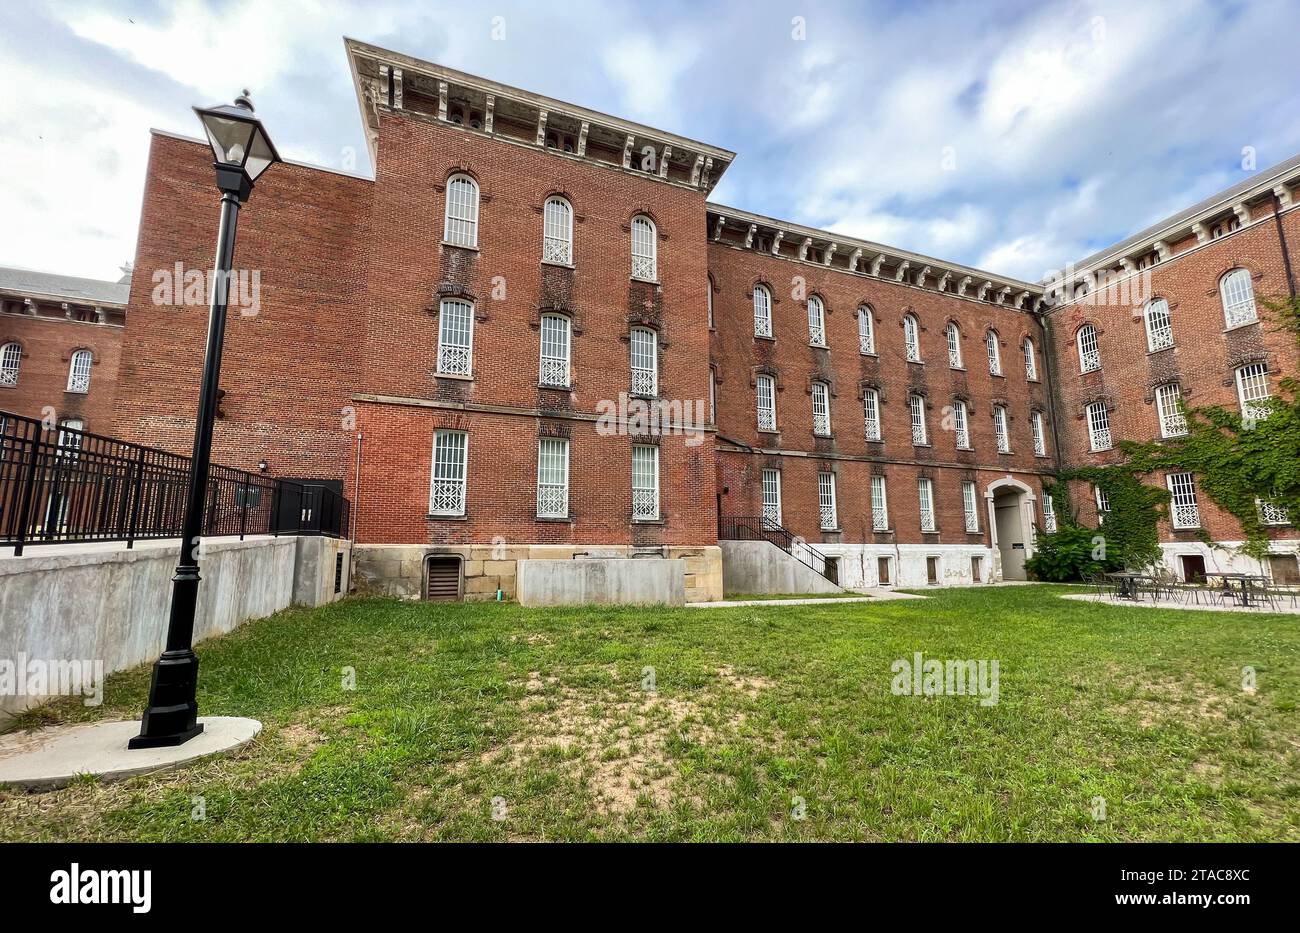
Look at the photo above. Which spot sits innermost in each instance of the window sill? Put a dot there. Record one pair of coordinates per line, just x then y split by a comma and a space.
468, 249
772, 431
1241, 325
998, 375
446, 517
832, 531
915, 444
932, 531
875, 440
453, 376
1161, 350
554, 519
966, 449
1042, 456
558, 265
648, 521
818, 346
823, 437
555, 388
917, 362
762, 337
635, 278
66, 391
957, 369
873, 354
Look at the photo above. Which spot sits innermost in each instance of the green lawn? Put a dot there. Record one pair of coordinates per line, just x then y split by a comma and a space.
546, 712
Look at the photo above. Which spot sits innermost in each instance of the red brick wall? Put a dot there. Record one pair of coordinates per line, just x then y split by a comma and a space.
48, 344
737, 353
290, 370
407, 263
1202, 359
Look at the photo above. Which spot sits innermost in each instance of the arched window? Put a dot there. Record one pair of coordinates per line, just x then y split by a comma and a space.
912, 338
995, 355
1040, 436
79, 371
816, 321
644, 261
557, 231
961, 433
871, 413
916, 407
1173, 422
1099, 427
762, 311
1160, 335
821, 409
954, 345
1000, 429
11, 359
455, 337
460, 227
1252, 391
765, 399
555, 350
1238, 296
1031, 359
645, 361
1089, 352
866, 331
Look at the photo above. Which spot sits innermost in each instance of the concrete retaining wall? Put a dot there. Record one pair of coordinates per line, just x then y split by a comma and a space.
102, 602
643, 581
398, 569
760, 568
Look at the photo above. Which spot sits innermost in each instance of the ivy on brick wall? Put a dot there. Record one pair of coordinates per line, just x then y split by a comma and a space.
1237, 461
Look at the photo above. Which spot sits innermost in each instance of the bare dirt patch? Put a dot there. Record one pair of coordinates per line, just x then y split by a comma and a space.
750, 685
1160, 700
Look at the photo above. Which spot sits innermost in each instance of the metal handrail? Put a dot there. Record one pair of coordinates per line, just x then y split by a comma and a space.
759, 528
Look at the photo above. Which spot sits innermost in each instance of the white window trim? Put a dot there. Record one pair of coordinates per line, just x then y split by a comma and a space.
1040, 433
1184, 511
970, 507
11, 362
557, 239
821, 392
1159, 326
1259, 377
879, 504
826, 504
920, 430
645, 265
1031, 359
866, 331
925, 502
871, 414
762, 311
912, 338
994, 352
455, 359
771, 511
557, 492
640, 512
644, 379
461, 228
1099, 433
451, 489
770, 382
816, 322
953, 336
1173, 423
961, 425
1089, 357
554, 370
79, 375
1002, 428
1241, 309
1049, 513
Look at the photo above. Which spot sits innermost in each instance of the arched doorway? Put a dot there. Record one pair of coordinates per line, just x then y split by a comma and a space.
1011, 519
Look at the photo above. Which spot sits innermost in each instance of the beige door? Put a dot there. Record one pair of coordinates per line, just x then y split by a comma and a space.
1012, 537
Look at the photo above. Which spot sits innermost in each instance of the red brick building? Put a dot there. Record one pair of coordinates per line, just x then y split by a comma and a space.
1179, 311
531, 334
60, 341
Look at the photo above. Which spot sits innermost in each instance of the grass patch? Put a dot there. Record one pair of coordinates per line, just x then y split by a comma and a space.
494, 722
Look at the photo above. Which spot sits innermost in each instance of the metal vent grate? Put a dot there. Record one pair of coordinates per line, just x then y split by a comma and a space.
442, 578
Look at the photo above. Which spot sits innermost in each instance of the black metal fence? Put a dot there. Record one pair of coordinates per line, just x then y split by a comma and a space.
60, 486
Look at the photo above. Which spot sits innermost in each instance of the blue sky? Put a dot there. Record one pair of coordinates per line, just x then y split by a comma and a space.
1014, 136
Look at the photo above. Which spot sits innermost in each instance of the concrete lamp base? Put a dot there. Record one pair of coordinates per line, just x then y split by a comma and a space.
54, 757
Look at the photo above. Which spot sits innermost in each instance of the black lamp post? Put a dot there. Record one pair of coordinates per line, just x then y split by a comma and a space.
242, 152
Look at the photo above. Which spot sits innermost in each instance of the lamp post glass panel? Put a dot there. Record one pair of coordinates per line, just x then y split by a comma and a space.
241, 152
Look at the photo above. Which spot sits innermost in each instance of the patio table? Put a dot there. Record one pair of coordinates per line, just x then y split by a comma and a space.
1127, 581
1241, 593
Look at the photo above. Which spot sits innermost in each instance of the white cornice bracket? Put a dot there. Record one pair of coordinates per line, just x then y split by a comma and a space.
984, 290
627, 152
749, 236
1162, 249
397, 88
490, 113
442, 100
830, 251
1003, 292
663, 161
541, 127
717, 228
1283, 195
804, 247
1202, 235
854, 258
901, 271
1020, 299
943, 281
708, 172
920, 276
776, 242
695, 171
1242, 212
963, 285
877, 263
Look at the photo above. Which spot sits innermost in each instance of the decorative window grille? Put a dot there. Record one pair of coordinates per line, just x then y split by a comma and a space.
1169, 406
826, 501
1099, 426
1040, 436
709, 303
79, 371
645, 482
1103, 501
552, 478
447, 490
1049, 514
765, 391
461, 224
925, 496
455, 337
11, 360
645, 361
1000, 429
555, 350
1252, 389
912, 338
1089, 352
970, 506
866, 331
1238, 296
954, 346
762, 312
816, 322
871, 413
916, 404
1182, 507
1160, 333
879, 505
995, 355
557, 232
1271, 514
959, 425
821, 409
644, 249
1031, 359
772, 497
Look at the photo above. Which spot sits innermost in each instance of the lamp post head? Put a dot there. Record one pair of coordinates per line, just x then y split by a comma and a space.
241, 148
